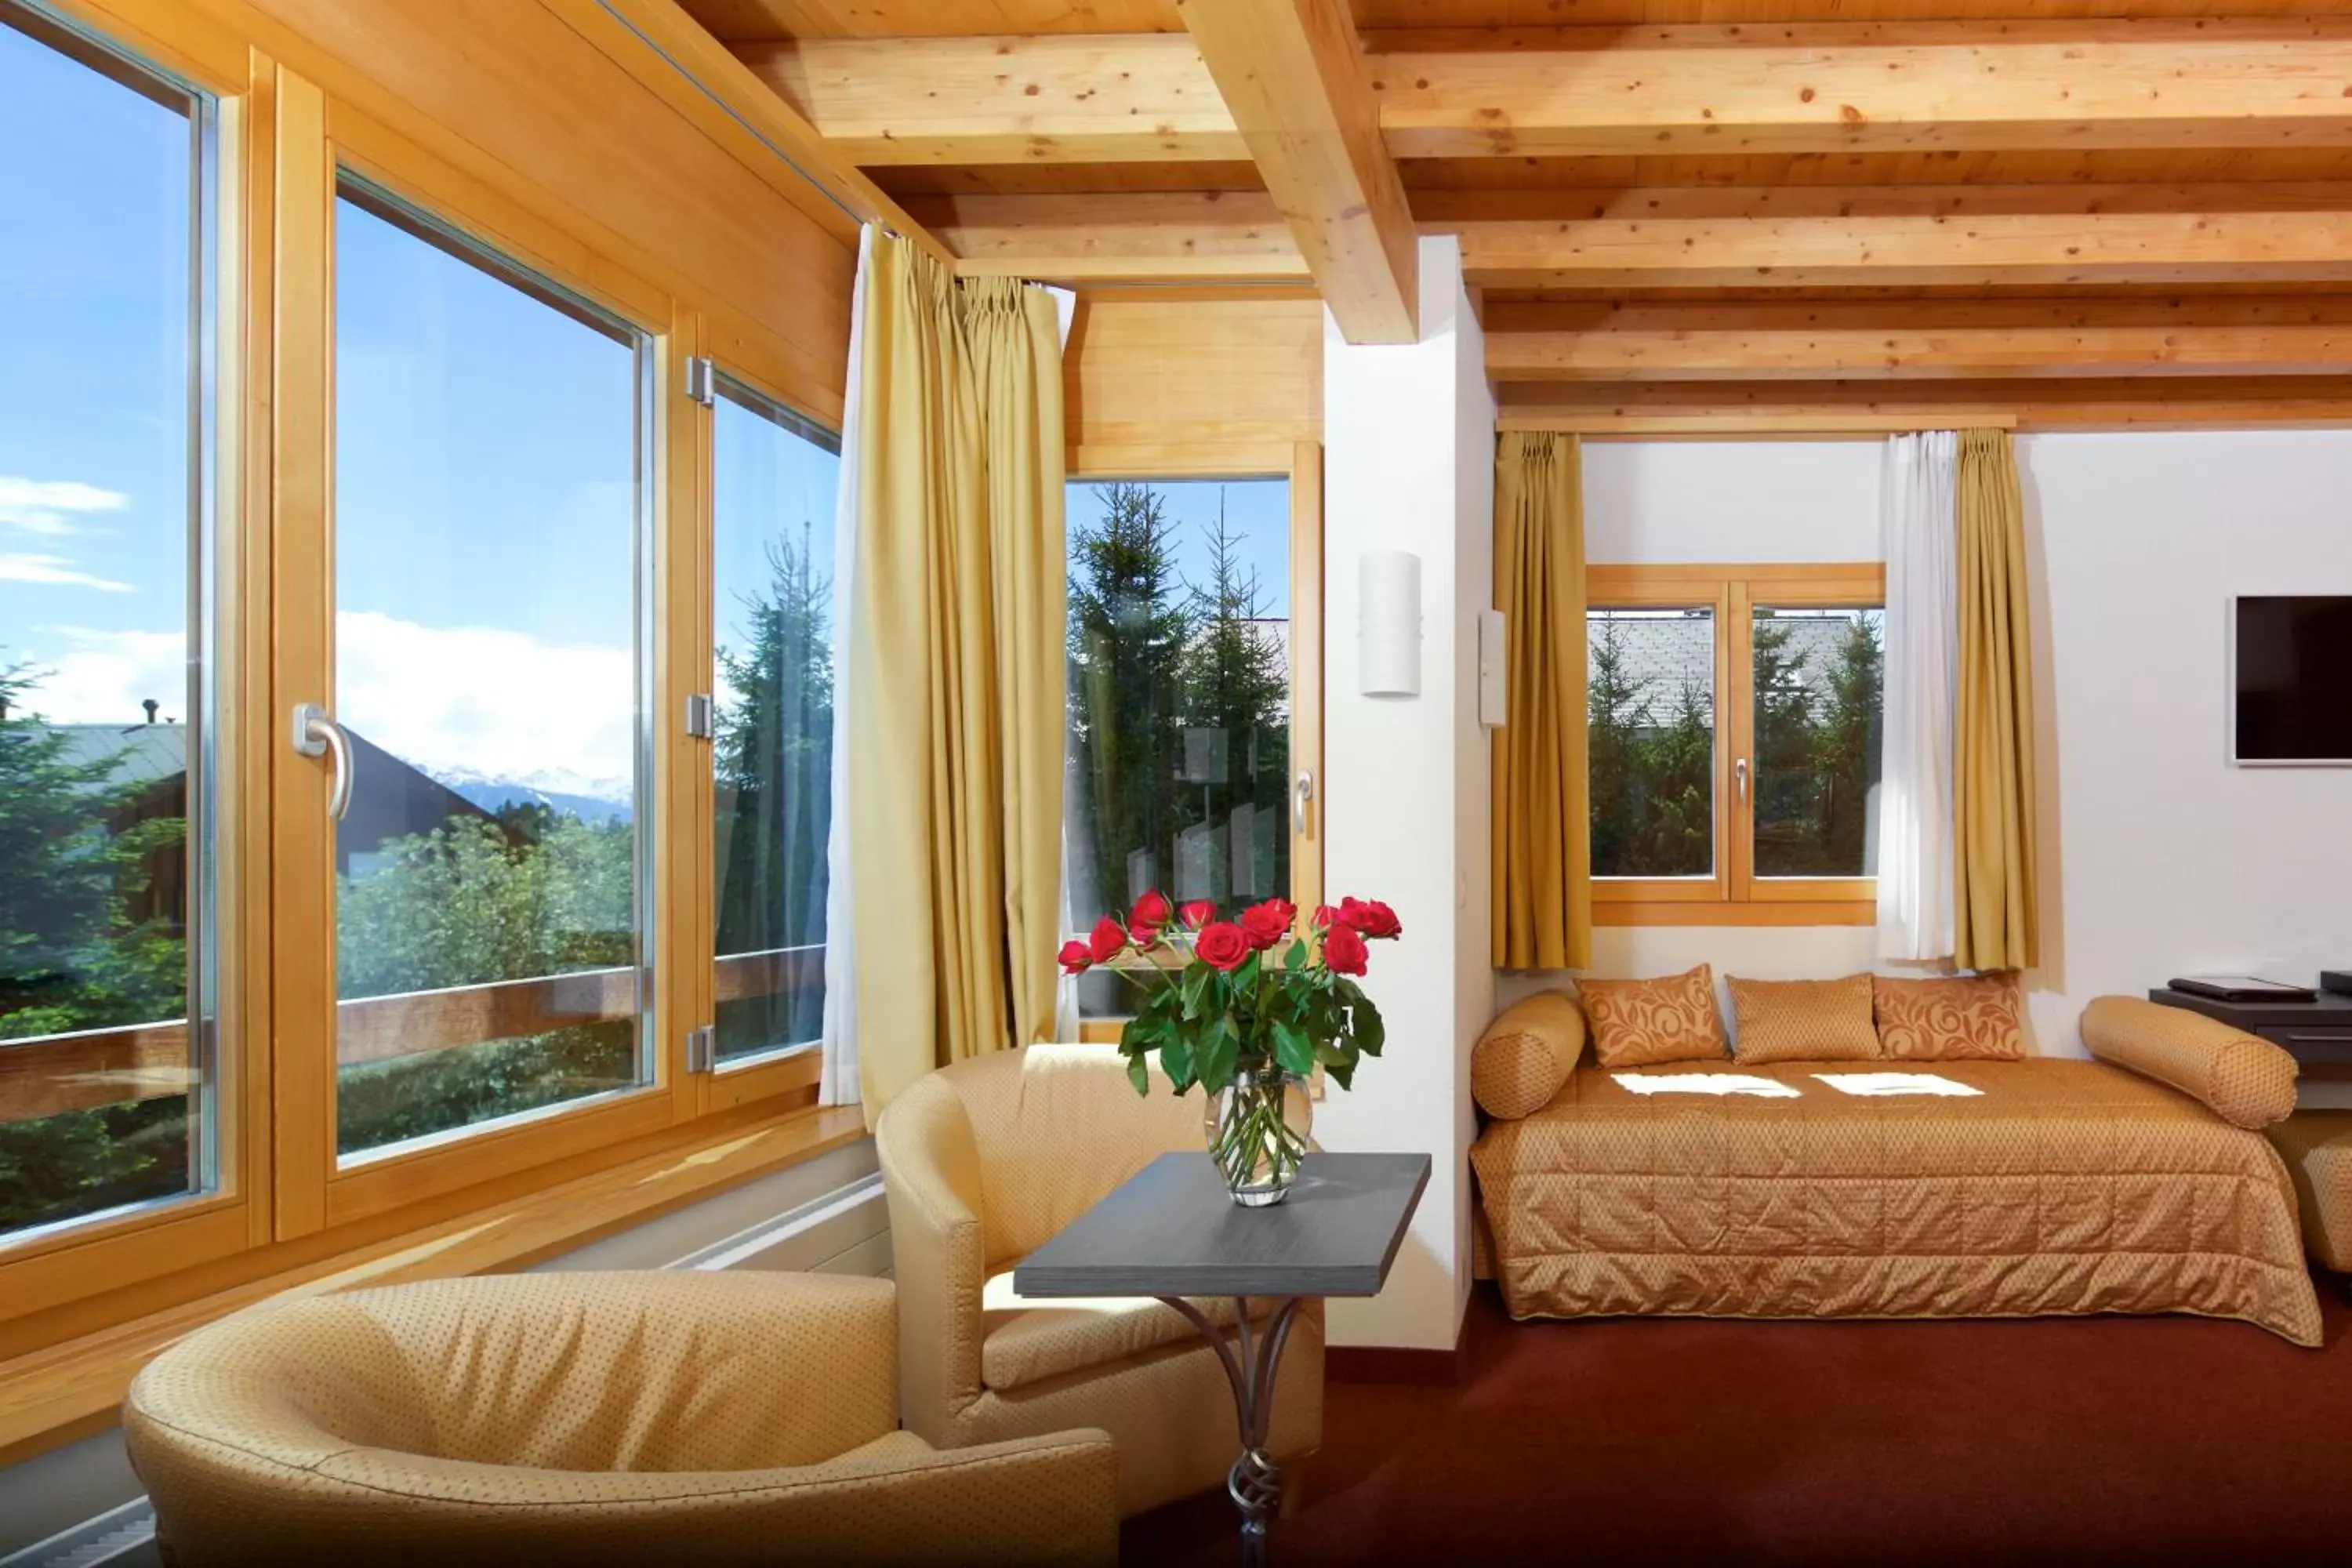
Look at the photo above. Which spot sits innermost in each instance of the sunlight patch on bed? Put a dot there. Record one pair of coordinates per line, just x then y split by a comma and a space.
1875, 1083
1715, 1083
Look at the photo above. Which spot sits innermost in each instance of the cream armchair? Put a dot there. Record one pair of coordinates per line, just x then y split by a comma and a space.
984, 1161
587, 1418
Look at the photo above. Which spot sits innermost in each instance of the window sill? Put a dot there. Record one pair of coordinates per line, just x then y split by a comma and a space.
74, 1387
1712, 912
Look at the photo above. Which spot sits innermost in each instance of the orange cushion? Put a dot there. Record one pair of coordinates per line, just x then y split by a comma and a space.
1805, 1020
1967, 1017
1638, 1022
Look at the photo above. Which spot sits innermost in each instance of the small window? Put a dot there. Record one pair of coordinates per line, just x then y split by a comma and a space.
774, 478
1734, 727
106, 1058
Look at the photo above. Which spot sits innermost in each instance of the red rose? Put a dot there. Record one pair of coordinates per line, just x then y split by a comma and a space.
1151, 913
1076, 958
1267, 923
1197, 914
1370, 917
1344, 950
1109, 938
1222, 945
1324, 915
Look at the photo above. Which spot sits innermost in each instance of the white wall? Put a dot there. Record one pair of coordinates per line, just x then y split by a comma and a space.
2159, 857
1409, 465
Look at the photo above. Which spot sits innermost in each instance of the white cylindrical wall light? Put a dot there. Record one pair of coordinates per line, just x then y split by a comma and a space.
1388, 624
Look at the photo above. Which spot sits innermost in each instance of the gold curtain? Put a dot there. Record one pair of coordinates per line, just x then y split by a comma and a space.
956, 672
1542, 837
1996, 924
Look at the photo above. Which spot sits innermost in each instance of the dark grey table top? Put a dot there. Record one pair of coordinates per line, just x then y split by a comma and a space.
1171, 1230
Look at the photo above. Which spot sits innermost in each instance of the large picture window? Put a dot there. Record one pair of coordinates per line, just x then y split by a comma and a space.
489, 578
106, 1048
1734, 737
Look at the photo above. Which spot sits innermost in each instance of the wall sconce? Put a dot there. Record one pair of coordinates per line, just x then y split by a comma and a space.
1388, 624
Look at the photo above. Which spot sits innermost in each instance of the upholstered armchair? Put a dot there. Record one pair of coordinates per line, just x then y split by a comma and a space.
984, 1161
587, 1418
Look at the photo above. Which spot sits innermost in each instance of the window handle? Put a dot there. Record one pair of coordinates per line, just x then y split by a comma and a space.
1739, 773
1300, 794
316, 736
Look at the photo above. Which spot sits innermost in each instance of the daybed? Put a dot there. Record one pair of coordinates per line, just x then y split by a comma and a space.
2131, 1183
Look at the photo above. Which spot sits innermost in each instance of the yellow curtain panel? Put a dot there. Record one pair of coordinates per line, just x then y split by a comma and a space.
956, 669
1996, 924
1542, 834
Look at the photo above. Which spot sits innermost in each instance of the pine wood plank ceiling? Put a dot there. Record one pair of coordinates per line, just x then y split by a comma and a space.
1862, 211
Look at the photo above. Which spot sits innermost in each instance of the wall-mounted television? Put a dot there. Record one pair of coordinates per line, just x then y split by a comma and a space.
2292, 656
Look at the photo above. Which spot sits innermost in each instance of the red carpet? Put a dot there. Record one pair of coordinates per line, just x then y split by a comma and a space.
2078, 1441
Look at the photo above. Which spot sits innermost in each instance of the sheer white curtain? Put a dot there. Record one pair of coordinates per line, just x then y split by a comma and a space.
837, 1083
1916, 485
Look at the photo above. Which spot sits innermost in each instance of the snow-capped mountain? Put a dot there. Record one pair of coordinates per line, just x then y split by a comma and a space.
559, 789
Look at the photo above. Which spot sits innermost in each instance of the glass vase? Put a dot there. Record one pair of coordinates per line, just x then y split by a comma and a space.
1257, 1128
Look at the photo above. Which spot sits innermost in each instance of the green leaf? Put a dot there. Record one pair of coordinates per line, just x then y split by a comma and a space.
1296, 959
1138, 1075
1341, 1073
1220, 1051
1292, 1048
1246, 974
1176, 1060
1370, 1033
1197, 977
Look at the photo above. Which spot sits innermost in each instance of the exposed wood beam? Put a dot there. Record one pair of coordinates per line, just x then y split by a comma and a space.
1668, 408
1828, 88
1150, 236
1825, 238
671, 53
1947, 339
1291, 73
1867, 87
1112, 99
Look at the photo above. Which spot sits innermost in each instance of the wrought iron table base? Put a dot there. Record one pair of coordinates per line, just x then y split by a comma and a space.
1254, 1482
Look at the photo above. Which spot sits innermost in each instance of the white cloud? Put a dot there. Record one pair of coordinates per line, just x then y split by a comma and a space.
57, 571
482, 700
102, 676
40, 506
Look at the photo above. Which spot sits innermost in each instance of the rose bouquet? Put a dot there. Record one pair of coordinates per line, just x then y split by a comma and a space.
1247, 1008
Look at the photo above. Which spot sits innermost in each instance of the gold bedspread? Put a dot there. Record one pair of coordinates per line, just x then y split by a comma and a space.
2067, 1186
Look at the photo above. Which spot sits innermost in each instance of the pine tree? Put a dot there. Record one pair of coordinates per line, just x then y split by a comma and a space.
1845, 747
1786, 793
1677, 770
1235, 679
1129, 623
1614, 716
773, 759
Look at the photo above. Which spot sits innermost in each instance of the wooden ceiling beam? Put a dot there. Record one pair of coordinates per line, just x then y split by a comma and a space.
1114, 236
1992, 238
1746, 409
1291, 73
1823, 88
1938, 339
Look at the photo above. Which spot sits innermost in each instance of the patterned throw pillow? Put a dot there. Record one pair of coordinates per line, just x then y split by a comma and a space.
1970, 1017
1636, 1023
1805, 1020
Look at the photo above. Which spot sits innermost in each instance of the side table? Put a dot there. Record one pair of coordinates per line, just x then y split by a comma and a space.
1172, 1231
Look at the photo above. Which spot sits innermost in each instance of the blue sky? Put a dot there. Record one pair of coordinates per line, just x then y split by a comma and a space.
485, 452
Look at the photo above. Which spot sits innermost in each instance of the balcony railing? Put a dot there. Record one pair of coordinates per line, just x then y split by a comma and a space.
45, 1074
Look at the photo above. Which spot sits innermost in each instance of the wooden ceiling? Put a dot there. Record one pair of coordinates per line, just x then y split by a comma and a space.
1859, 213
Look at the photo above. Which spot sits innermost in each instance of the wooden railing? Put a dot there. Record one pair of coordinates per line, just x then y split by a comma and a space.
44, 1075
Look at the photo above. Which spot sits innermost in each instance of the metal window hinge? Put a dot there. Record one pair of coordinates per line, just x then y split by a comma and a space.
701, 718
701, 380
702, 1049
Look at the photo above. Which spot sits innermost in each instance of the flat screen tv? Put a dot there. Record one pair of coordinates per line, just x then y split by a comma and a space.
2293, 657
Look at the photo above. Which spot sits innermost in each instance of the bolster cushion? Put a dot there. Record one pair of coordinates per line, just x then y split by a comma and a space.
2246, 1081
1524, 1056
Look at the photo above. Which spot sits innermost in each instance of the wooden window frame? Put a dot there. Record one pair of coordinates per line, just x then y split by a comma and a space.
285, 130
1300, 463
1734, 895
